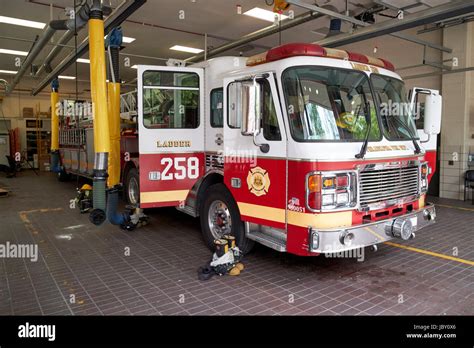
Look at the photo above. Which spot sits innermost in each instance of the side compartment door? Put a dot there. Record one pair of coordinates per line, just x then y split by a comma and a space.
256, 175
171, 133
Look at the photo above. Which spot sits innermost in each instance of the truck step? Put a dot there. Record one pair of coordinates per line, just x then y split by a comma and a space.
269, 241
188, 210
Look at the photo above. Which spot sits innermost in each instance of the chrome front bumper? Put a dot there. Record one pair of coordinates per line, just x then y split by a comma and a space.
332, 241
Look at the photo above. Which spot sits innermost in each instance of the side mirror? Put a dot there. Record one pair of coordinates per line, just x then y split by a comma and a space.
433, 112
251, 108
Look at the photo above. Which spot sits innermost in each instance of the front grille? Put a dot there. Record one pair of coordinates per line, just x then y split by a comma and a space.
388, 184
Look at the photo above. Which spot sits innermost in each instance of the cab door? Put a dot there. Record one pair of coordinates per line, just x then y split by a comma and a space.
171, 133
255, 169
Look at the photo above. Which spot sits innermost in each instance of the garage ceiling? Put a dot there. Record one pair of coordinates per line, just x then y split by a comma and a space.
156, 27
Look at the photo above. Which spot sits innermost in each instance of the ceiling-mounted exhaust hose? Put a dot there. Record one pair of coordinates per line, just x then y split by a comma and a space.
99, 186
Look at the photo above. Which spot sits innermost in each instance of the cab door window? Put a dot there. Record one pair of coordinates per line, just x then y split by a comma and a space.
269, 119
271, 129
217, 102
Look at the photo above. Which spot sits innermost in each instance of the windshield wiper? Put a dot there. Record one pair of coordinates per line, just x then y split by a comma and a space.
363, 149
409, 131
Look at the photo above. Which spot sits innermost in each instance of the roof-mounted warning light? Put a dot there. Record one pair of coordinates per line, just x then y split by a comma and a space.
312, 50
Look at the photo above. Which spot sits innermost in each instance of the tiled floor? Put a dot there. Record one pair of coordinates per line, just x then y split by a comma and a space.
83, 269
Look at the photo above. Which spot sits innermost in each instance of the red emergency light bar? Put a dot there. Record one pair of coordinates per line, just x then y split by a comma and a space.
312, 50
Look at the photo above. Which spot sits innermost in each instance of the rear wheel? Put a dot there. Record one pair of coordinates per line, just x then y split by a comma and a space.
132, 187
220, 216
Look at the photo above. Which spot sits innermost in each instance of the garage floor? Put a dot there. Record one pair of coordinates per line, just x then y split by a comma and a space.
159, 277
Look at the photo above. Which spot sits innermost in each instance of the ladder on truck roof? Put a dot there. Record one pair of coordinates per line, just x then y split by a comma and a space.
128, 106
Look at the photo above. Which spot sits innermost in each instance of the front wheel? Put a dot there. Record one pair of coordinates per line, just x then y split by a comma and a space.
132, 187
220, 216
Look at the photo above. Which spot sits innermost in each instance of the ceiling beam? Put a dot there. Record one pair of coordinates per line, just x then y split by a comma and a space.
365, 25
259, 34
438, 73
438, 13
116, 18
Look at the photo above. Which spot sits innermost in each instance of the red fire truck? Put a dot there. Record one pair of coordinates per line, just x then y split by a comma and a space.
304, 149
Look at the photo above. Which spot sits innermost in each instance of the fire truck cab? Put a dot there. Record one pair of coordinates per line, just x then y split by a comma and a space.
304, 149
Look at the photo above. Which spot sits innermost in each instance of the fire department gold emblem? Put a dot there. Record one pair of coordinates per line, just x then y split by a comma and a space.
258, 181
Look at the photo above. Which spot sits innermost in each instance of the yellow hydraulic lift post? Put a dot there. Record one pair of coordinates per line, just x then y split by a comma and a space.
55, 126
114, 40
114, 128
99, 103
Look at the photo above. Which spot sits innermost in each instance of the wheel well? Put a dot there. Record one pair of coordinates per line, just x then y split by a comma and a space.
129, 165
211, 179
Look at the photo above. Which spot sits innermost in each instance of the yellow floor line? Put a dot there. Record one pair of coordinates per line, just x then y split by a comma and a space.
375, 233
427, 252
454, 207
27, 222
422, 251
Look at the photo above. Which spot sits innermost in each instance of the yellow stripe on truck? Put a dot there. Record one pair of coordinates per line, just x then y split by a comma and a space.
262, 212
323, 220
163, 196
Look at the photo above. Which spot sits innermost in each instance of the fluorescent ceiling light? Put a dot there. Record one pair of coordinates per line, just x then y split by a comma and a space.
265, 15
83, 60
128, 39
11, 72
67, 77
186, 49
13, 52
125, 39
22, 22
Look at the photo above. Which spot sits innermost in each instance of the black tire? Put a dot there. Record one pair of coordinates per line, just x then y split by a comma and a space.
63, 176
129, 185
219, 192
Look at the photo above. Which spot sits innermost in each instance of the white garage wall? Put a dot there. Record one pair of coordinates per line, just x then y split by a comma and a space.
403, 54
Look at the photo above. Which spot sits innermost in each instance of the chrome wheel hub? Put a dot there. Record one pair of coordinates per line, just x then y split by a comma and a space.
219, 219
133, 191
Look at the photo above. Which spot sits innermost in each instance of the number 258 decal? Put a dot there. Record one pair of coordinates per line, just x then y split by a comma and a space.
177, 168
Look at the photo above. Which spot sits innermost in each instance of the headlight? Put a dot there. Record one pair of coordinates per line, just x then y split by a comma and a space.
346, 238
342, 198
329, 191
328, 200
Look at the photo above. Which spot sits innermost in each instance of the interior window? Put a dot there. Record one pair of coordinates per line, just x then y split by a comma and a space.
217, 102
170, 100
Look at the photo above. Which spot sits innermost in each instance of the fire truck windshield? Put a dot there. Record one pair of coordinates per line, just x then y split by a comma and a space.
397, 119
330, 104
